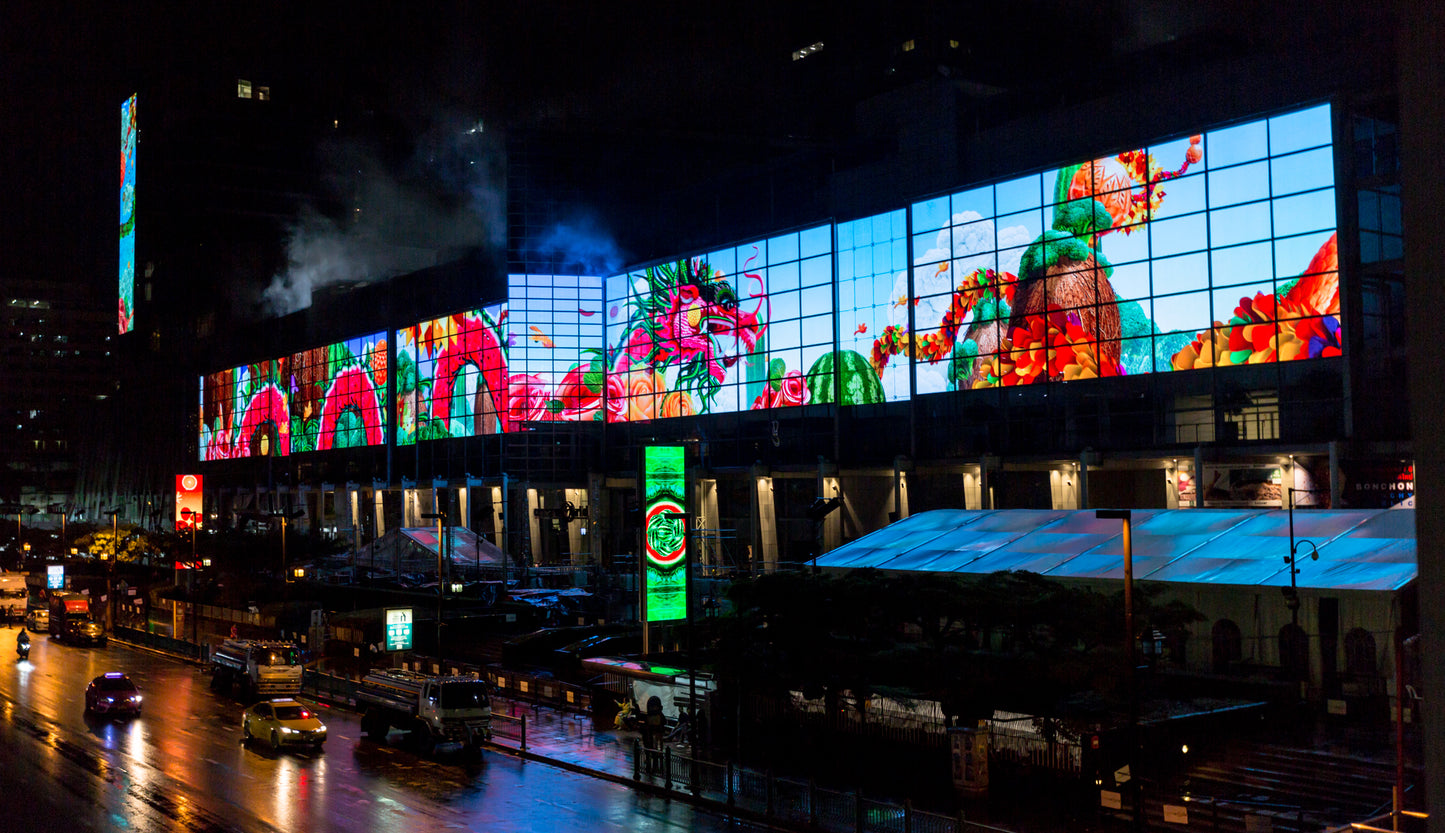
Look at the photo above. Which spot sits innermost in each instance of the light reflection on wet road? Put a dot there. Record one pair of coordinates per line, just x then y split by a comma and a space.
181, 767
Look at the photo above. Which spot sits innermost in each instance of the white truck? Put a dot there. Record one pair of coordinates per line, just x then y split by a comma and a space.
434, 710
258, 667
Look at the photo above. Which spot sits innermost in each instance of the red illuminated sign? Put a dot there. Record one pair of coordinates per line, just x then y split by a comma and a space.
188, 501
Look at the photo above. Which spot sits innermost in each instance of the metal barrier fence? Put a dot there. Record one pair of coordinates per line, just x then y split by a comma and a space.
179, 647
789, 800
786, 800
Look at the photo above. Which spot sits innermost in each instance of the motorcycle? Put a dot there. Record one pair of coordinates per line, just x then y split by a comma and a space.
22, 648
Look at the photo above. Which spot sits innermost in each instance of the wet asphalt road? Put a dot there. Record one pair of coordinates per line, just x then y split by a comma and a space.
181, 766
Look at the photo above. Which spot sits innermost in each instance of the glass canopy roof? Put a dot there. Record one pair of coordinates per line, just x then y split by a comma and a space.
1358, 549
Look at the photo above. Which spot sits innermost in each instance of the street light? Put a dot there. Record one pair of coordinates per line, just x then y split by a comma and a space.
110, 568
1126, 516
1292, 595
285, 516
682, 517
440, 518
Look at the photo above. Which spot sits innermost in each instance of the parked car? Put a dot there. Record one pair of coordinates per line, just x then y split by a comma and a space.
283, 721
112, 693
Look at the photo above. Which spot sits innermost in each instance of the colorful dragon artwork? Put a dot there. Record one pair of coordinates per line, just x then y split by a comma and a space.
1206, 251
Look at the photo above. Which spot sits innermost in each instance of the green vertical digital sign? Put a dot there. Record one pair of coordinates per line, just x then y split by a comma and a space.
664, 483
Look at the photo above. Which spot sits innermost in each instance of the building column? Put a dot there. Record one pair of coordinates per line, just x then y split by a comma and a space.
765, 535
900, 487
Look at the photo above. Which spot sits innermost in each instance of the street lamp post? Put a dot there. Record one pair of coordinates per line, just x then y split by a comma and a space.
110, 569
1292, 599
682, 518
440, 518
1126, 516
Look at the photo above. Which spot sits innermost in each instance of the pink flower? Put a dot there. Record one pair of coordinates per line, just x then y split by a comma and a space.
528, 397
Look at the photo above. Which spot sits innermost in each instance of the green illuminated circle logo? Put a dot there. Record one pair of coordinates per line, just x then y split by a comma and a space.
666, 537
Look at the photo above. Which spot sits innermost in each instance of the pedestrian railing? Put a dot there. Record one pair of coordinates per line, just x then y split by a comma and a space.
785, 800
788, 800
179, 647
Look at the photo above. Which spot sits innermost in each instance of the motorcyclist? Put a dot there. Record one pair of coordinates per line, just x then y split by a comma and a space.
22, 640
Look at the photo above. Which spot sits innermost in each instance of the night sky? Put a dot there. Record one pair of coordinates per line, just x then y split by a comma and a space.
65, 72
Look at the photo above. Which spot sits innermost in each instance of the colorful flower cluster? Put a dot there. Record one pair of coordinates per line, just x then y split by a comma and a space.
1053, 346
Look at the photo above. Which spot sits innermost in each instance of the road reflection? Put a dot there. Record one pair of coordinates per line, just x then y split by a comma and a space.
181, 766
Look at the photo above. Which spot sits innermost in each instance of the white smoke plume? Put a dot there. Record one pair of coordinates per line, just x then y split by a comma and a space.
449, 197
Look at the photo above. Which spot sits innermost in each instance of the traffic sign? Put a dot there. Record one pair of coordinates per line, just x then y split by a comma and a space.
398, 628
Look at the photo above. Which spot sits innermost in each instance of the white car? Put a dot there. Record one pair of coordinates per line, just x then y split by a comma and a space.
283, 722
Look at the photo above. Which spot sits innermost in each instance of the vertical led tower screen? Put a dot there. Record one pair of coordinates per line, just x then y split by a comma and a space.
451, 376
127, 214
188, 501
664, 484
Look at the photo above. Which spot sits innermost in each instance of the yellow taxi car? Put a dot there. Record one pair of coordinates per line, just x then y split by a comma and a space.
283, 722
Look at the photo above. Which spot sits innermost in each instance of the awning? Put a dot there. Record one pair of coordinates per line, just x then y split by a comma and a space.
1358, 549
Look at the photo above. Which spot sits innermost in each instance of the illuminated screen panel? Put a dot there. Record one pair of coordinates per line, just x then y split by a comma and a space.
745, 328
1208, 250
338, 394
664, 485
555, 348
188, 501
872, 256
451, 376
245, 411
127, 214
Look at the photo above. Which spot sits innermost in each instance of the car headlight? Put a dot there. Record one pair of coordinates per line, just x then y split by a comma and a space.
286, 731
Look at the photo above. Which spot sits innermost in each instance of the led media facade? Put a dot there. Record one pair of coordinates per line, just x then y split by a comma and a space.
127, 214
555, 348
246, 412
664, 485
338, 395
736, 329
1208, 250
451, 376
328, 397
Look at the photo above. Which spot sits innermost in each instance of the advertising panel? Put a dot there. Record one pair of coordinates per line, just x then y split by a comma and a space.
451, 376
188, 501
127, 214
664, 485
1242, 486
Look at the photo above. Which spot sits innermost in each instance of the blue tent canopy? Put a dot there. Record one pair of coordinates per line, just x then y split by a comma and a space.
1358, 549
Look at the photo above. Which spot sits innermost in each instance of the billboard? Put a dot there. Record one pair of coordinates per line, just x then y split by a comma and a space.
736, 329
188, 502
451, 376
664, 486
127, 214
